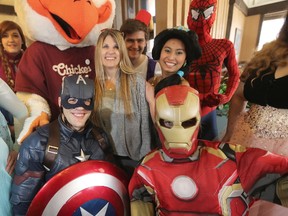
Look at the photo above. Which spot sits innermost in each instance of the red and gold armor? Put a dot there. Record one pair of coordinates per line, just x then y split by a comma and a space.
188, 176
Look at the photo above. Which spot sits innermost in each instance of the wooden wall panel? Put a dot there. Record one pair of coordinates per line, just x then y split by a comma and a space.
177, 16
219, 27
185, 8
164, 17
171, 13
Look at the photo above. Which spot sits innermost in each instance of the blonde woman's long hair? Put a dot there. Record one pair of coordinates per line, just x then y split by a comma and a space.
271, 56
126, 71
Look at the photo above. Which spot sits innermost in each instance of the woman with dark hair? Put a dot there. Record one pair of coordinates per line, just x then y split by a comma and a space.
12, 46
175, 49
263, 84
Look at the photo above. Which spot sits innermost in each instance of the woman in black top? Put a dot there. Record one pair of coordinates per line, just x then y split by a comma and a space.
264, 83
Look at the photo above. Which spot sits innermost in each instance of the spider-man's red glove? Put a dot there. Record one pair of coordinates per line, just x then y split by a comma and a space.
212, 100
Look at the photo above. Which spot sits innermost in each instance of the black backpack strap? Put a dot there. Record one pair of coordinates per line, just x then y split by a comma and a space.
54, 142
105, 146
101, 140
52, 146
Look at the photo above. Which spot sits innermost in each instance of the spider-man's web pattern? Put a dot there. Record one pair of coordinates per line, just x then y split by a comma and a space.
206, 72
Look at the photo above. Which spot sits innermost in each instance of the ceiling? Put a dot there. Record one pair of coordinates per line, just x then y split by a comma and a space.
257, 3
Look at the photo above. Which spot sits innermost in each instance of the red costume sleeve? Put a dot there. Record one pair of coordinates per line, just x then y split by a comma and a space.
254, 164
233, 74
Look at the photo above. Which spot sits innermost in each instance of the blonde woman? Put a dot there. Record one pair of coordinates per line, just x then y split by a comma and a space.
122, 100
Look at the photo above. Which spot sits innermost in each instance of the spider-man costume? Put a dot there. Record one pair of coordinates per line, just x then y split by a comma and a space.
191, 177
206, 72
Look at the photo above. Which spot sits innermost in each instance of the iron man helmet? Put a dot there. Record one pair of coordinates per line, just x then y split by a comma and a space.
178, 120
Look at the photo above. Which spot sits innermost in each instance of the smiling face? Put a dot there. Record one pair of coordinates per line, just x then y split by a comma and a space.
135, 44
12, 41
77, 117
172, 57
110, 54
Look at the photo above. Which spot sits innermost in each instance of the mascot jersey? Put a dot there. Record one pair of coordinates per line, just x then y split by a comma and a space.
64, 34
206, 72
71, 61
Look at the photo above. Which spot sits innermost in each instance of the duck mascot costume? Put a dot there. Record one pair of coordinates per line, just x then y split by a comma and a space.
63, 35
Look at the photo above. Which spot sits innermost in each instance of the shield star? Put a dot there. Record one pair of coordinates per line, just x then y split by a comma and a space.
82, 157
102, 212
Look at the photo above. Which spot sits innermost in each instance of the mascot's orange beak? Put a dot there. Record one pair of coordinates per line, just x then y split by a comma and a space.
72, 19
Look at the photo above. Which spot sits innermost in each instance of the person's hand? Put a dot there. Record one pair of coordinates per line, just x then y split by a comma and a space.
11, 162
39, 114
31, 124
212, 100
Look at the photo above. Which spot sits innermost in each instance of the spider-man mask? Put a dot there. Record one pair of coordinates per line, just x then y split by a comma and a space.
201, 16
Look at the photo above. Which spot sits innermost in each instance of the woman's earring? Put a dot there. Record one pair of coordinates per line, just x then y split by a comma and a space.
185, 63
180, 73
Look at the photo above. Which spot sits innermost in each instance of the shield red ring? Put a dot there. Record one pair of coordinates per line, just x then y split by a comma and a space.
87, 188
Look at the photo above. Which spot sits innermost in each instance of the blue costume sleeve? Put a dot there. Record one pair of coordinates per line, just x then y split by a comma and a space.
29, 173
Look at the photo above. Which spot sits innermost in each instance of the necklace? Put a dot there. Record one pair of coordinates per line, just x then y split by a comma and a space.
110, 85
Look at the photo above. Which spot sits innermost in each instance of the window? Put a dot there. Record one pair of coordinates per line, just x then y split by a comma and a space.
269, 30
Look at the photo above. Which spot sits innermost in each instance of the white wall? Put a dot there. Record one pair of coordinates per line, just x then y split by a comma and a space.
237, 24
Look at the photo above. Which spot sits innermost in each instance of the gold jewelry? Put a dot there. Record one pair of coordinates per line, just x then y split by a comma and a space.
110, 86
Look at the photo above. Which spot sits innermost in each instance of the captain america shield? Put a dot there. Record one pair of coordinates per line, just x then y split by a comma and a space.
88, 188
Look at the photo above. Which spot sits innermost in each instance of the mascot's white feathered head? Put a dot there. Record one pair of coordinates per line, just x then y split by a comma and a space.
65, 23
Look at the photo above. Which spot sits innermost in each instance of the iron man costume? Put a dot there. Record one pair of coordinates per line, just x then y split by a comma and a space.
206, 71
191, 177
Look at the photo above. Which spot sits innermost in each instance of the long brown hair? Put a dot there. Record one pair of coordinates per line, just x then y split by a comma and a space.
4, 27
125, 67
271, 56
